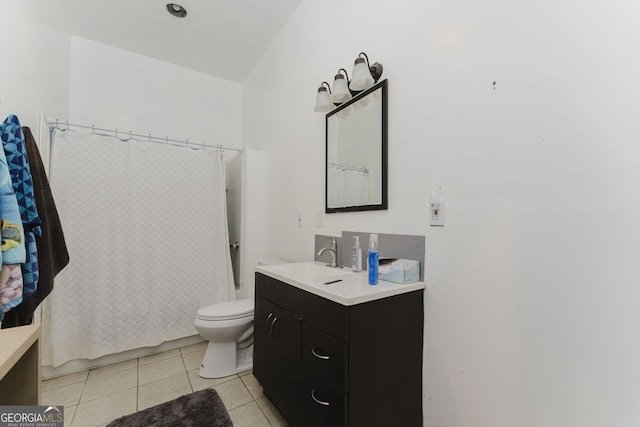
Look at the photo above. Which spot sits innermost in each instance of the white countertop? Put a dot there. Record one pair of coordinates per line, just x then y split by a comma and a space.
351, 289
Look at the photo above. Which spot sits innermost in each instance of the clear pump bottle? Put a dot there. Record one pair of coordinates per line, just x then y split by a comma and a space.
356, 260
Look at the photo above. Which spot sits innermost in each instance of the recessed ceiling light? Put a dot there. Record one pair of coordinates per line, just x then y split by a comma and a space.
176, 10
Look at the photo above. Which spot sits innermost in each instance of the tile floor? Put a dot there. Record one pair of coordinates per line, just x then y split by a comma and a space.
96, 397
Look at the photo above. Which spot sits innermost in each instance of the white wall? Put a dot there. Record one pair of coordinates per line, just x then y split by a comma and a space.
112, 88
34, 62
531, 307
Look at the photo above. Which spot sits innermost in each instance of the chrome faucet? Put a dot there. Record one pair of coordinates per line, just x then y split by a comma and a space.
333, 250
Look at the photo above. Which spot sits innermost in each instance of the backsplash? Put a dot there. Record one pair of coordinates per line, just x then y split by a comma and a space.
390, 246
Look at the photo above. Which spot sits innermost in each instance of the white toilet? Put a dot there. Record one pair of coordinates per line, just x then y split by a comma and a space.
229, 328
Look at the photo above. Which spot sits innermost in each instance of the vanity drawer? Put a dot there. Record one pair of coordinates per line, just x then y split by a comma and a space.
322, 403
326, 355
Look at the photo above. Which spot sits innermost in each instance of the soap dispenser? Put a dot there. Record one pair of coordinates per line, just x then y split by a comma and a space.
356, 261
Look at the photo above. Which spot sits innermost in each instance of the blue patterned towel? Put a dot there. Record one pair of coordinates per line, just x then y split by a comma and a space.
18, 163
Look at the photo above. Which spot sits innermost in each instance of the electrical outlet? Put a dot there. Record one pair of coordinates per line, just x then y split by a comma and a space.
436, 208
299, 219
437, 213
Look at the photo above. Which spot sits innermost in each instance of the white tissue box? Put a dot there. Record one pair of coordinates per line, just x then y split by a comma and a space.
403, 271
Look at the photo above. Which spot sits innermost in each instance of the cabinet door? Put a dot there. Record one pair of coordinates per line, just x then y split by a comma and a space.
264, 355
276, 362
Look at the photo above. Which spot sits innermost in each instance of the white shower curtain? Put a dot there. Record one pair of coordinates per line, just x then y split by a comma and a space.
348, 187
146, 228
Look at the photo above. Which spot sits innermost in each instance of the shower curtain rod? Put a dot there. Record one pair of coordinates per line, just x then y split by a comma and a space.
363, 169
149, 137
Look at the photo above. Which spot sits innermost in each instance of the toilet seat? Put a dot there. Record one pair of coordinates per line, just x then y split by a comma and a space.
227, 310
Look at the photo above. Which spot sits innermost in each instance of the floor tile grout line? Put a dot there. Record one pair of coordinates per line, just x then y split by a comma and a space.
186, 371
84, 385
262, 410
258, 405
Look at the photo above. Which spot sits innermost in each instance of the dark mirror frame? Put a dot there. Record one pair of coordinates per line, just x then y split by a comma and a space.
384, 131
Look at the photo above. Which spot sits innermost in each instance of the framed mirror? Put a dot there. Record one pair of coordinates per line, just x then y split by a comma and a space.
356, 153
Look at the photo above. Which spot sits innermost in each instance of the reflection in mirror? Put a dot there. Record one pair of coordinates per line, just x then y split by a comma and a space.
356, 173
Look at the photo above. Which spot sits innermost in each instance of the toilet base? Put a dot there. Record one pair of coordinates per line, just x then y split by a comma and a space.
219, 360
241, 360
245, 359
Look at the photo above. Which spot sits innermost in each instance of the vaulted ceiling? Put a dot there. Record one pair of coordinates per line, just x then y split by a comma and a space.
222, 38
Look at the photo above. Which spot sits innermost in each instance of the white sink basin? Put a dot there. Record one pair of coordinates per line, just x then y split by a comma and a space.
311, 272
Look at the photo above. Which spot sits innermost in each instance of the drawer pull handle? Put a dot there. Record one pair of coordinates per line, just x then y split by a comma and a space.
320, 402
273, 322
266, 324
319, 356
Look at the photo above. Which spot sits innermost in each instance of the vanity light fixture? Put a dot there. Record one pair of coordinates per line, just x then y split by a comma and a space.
364, 76
176, 10
323, 100
340, 92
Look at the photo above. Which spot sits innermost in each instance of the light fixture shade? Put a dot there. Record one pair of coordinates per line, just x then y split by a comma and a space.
340, 91
323, 101
361, 78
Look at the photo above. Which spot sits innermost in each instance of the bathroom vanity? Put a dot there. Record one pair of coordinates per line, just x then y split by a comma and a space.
338, 354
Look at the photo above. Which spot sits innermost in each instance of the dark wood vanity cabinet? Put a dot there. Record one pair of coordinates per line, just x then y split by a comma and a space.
324, 364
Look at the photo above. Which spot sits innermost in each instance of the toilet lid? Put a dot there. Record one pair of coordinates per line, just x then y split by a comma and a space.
227, 310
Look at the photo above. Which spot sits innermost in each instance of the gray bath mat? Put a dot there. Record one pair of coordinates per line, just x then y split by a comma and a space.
200, 409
